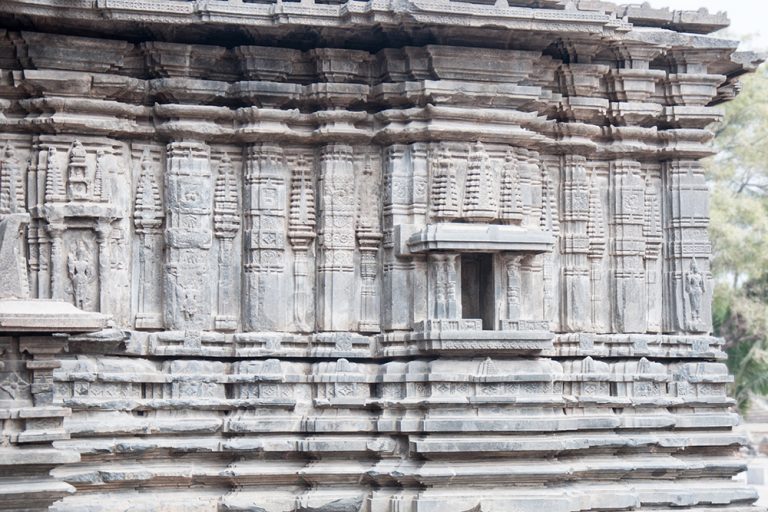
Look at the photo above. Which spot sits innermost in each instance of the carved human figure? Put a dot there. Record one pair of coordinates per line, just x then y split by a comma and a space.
80, 273
695, 289
189, 304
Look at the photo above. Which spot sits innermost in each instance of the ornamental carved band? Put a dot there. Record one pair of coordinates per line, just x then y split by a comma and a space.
352, 256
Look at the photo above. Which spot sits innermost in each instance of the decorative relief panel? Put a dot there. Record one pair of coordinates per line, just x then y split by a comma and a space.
361, 275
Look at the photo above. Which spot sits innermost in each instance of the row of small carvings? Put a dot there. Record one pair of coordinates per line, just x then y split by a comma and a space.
346, 344
517, 381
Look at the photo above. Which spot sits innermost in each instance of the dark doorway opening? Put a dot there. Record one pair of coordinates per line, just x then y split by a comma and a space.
477, 293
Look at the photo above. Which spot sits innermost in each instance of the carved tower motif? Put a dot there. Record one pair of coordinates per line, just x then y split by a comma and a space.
148, 219
480, 188
445, 193
11, 182
510, 203
79, 186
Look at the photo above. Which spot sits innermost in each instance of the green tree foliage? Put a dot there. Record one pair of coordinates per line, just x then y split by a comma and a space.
739, 231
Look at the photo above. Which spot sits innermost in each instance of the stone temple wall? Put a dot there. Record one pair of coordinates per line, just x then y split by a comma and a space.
372, 256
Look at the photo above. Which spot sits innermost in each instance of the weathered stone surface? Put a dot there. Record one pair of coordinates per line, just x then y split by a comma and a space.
439, 256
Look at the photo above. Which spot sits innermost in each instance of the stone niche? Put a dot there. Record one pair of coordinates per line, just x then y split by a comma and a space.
348, 256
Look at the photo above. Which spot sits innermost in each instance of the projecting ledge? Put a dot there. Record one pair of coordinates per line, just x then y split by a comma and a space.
46, 316
479, 238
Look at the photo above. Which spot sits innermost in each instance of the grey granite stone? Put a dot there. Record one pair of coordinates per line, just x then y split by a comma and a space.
361, 256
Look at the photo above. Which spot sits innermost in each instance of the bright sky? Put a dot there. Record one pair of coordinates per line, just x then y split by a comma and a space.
748, 17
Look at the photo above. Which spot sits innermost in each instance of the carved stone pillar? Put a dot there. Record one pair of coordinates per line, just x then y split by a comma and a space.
266, 174
369, 238
148, 219
549, 222
103, 233
369, 308
226, 223
188, 236
534, 284
597, 244
575, 245
57, 268
397, 272
686, 248
652, 231
419, 170
301, 233
525, 179
513, 288
444, 287
628, 247
336, 271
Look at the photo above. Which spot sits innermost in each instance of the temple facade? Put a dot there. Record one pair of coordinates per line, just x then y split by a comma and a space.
361, 256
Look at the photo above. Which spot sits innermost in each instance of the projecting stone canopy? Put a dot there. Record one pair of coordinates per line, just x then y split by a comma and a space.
482, 238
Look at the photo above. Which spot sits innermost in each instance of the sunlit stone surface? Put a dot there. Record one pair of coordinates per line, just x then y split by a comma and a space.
411, 256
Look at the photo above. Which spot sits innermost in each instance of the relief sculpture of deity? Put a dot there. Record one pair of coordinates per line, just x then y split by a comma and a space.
81, 274
695, 288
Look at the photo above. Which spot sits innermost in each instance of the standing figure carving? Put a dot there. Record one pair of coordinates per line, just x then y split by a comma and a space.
80, 273
695, 289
